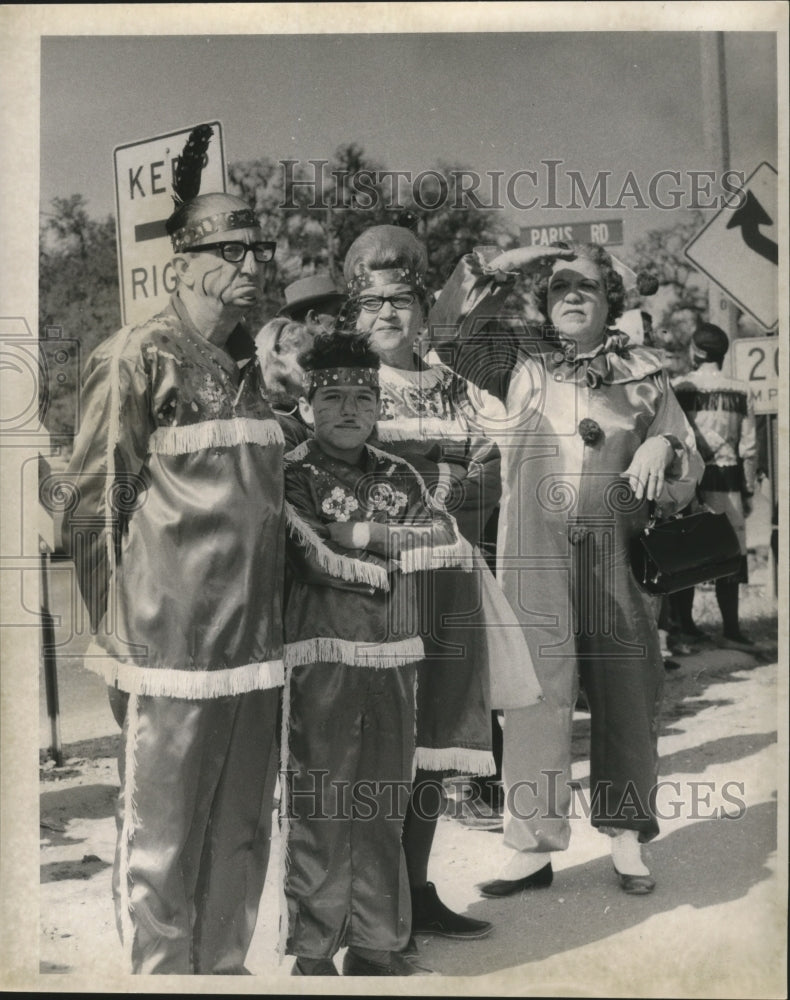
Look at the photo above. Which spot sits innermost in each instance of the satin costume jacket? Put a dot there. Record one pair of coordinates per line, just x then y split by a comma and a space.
176, 525
383, 630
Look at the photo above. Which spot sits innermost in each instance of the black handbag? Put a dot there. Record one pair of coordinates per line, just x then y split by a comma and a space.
679, 552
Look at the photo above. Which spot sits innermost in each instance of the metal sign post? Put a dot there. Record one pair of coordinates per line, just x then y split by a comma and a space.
756, 362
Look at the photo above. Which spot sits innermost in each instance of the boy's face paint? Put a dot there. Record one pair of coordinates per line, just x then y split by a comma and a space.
343, 418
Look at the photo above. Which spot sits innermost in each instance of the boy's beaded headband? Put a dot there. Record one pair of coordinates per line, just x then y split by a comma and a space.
320, 378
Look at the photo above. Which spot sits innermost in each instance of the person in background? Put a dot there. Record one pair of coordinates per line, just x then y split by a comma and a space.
314, 301
278, 345
719, 409
177, 533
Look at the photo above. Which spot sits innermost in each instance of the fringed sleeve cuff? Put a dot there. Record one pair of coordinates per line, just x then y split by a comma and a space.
340, 566
425, 554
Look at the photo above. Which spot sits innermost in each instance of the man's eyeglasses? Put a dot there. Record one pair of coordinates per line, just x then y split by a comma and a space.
373, 303
234, 251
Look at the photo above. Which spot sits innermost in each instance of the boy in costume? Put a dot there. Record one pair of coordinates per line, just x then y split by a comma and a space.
361, 526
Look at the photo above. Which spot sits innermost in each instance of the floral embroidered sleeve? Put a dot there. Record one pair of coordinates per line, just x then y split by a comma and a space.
312, 555
420, 534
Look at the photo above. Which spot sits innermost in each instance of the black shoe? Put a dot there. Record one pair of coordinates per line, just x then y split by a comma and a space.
736, 641
670, 664
396, 965
314, 967
429, 915
478, 815
690, 629
541, 879
636, 885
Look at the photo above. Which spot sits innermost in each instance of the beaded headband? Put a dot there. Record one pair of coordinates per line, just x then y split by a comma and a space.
366, 278
320, 378
218, 222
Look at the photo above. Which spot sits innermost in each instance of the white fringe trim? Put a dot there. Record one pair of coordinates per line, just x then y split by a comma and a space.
327, 649
190, 684
189, 438
298, 453
420, 428
130, 823
455, 759
342, 567
458, 554
285, 825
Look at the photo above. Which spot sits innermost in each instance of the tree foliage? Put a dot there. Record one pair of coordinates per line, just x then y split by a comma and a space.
316, 214
78, 304
661, 251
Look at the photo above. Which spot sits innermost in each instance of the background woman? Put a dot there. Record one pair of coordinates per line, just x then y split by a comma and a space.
587, 414
719, 410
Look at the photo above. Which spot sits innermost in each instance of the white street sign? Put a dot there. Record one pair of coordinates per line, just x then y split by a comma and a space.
143, 198
738, 249
756, 361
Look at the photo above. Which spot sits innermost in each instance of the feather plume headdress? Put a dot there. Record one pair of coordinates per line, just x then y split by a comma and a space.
186, 227
189, 166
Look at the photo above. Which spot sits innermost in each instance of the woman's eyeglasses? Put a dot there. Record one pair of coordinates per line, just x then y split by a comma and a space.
234, 251
373, 303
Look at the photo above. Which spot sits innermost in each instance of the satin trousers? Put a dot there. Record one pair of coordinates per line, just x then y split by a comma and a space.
194, 826
349, 771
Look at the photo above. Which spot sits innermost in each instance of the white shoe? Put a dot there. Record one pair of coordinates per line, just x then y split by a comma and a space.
627, 854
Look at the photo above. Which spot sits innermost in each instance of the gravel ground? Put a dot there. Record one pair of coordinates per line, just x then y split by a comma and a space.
714, 927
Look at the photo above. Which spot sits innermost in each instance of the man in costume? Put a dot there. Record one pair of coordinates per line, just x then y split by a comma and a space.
176, 531
361, 527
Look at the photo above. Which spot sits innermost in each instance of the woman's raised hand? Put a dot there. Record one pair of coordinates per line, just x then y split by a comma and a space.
646, 471
528, 259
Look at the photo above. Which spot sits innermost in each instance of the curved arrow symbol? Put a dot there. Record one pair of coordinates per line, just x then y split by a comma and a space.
749, 217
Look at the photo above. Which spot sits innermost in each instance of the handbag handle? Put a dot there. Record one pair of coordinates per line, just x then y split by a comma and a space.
655, 517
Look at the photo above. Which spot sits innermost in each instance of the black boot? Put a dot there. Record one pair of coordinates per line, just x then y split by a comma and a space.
314, 967
429, 915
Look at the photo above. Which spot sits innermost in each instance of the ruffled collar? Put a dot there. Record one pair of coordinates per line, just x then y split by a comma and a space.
614, 361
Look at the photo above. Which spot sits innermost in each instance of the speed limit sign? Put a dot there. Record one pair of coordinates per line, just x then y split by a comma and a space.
756, 361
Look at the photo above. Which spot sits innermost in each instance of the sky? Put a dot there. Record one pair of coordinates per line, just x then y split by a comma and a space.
596, 101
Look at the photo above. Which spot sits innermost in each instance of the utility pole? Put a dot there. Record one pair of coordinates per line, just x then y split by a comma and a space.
716, 142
